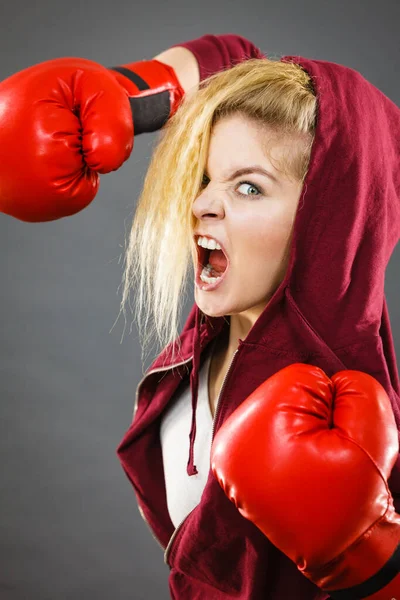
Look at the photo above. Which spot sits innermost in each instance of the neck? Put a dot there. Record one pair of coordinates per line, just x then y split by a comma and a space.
240, 325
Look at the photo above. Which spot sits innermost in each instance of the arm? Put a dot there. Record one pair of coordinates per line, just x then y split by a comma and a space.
185, 65
196, 59
156, 86
110, 105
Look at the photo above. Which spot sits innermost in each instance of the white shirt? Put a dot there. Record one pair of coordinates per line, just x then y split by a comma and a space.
184, 491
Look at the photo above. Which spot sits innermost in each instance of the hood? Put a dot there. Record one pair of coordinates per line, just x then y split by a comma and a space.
346, 227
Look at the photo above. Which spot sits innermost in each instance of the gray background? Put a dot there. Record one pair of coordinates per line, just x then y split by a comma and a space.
69, 525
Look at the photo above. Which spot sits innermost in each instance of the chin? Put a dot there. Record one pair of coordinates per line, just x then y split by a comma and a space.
210, 312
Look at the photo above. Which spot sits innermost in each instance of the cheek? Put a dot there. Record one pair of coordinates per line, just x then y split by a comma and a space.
266, 242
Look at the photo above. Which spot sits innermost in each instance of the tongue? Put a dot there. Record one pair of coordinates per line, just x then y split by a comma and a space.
217, 260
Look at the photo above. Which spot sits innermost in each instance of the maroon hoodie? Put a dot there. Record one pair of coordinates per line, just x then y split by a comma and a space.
329, 311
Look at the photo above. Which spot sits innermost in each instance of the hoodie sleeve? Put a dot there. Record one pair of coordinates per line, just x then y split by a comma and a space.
216, 53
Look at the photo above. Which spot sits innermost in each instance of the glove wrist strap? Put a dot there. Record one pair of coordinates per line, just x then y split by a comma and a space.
369, 568
154, 93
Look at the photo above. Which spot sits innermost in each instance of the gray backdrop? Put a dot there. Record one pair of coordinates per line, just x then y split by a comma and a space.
69, 524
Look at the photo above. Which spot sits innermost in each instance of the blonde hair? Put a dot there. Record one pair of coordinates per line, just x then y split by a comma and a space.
160, 257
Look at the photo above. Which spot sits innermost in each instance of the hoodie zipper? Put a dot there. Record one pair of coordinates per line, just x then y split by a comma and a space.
220, 393
151, 531
212, 438
173, 536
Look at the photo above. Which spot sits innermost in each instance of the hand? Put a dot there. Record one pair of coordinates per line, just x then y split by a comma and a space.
306, 459
64, 121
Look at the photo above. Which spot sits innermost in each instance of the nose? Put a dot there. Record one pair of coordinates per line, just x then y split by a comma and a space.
208, 204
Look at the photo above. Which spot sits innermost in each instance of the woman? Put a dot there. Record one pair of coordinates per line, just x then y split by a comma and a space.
305, 252
286, 173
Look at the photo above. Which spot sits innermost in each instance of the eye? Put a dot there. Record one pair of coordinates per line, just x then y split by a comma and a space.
205, 180
251, 186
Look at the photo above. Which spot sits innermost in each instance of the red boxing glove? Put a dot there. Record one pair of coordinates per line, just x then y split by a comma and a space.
306, 459
64, 121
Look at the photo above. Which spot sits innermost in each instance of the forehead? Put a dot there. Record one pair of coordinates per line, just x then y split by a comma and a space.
238, 142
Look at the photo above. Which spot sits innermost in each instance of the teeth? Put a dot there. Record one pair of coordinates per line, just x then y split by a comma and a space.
208, 243
204, 277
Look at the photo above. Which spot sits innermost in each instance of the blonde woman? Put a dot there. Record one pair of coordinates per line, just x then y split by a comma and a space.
263, 449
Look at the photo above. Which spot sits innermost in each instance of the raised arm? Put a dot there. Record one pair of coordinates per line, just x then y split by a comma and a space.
84, 116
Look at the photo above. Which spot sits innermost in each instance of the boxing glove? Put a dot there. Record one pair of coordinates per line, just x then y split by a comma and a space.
306, 458
65, 121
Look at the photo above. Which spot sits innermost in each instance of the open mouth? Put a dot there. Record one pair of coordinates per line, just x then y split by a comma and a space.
215, 261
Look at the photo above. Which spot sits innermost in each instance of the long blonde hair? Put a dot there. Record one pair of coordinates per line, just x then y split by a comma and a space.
160, 257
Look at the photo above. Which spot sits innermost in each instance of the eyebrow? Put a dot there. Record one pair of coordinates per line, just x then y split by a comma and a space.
247, 171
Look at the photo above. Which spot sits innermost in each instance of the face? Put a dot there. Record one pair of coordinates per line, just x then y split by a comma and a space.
250, 215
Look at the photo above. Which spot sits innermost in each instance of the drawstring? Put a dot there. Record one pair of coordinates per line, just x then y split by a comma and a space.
191, 468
